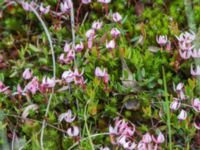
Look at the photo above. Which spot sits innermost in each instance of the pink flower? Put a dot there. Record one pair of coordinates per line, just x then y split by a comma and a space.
175, 105
66, 6
99, 72
78, 77
146, 138
160, 139
197, 125
67, 47
68, 76
90, 33
127, 144
48, 82
104, 148
196, 104
3, 88
70, 56
110, 45
104, 1
73, 131
96, 25
25, 6
195, 53
27, 74
179, 87
185, 54
161, 40
195, 72
117, 17
44, 10
115, 32
67, 117
141, 146
86, 1
79, 47
182, 115
33, 85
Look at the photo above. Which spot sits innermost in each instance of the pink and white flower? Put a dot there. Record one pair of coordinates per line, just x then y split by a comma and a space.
182, 115
160, 138
68, 117
197, 125
115, 32
3, 88
66, 6
161, 40
27, 74
104, 148
33, 85
117, 17
175, 105
96, 25
79, 47
73, 131
78, 77
48, 82
44, 10
196, 104
146, 138
195, 72
86, 1
110, 45
67, 47
68, 76
104, 1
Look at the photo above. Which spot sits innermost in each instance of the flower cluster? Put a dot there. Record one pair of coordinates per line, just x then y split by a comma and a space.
177, 102
68, 55
70, 76
28, 7
72, 131
122, 134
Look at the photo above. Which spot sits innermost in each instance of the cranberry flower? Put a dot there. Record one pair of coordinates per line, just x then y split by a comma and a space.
66, 6
182, 115
161, 40
33, 85
47, 83
117, 17
196, 104
67, 47
3, 88
78, 77
197, 125
175, 105
96, 25
86, 1
195, 72
79, 47
160, 138
67, 117
90, 36
44, 10
27, 74
104, 148
146, 138
68, 76
73, 131
104, 1
115, 32
110, 45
